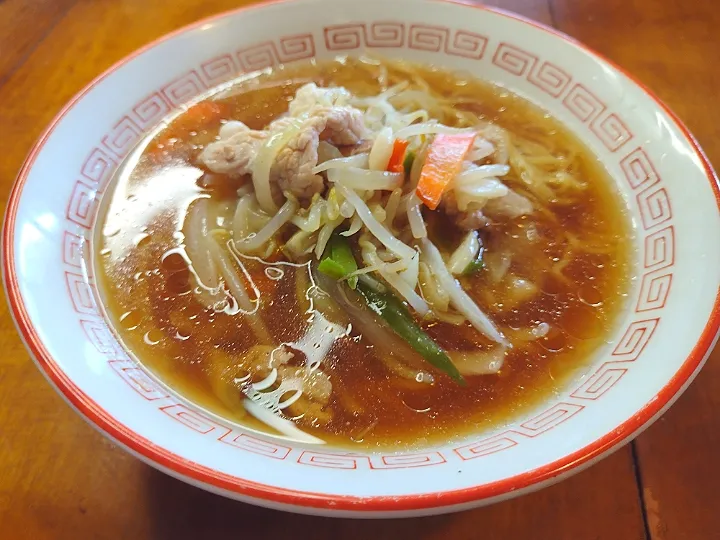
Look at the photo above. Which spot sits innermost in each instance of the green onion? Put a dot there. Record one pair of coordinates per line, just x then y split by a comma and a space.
394, 312
338, 260
331, 268
408, 162
473, 267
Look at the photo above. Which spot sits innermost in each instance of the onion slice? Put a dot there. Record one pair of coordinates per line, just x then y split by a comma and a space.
264, 162
458, 297
427, 128
286, 427
366, 180
376, 228
359, 160
465, 253
479, 362
258, 239
415, 217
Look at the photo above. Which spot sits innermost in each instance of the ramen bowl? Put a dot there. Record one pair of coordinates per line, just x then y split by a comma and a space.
667, 327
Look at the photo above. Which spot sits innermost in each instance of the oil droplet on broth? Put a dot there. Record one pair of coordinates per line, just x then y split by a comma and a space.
552, 285
554, 341
110, 231
417, 402
582, 322
153, 337
590, 295
173, 261
274, 273
130, 320
179, 283
140, 239
104, 252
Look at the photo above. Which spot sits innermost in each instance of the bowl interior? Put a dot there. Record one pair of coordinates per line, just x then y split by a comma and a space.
662, 336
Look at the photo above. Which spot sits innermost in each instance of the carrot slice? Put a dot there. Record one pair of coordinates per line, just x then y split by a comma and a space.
398, 156
443, 162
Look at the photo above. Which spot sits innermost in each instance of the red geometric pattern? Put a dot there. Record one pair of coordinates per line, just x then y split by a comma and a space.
653, 200
333, 461
485, 447
654, 204
72, 249
427, 38
138, 379
80, 292
258, 57
102, 338
514, 59
294, 48
194, 420
654, 290
218, 70
660, 249
549, 78
384, 34
545, 421
585, 105
122, 137
150, 111
248, 443
612, 132
82, 205
639, 170
391, 34
554, 416
183, 88
467, 44
600, 382
347, 37
634, 341
405, 461
349, 461
344, 37
553, 80
98, 168
267, 54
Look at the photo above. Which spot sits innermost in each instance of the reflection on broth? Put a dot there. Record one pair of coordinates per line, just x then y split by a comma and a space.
364, 253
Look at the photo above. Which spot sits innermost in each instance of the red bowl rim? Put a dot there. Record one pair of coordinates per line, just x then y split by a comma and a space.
190, 470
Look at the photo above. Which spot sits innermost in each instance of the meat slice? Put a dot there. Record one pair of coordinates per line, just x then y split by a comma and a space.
338, 125
233, 155
511, 206
470, 220
316, 384
310, 96
478, 215
294, 164
321, 118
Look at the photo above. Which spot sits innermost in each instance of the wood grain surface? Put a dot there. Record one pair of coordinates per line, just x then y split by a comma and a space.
60, 479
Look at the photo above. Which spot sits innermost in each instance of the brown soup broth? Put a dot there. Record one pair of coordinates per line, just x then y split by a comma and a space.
575, 252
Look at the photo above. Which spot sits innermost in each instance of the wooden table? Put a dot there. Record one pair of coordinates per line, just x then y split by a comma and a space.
60, 479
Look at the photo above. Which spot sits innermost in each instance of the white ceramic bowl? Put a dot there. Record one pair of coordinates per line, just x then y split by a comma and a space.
669, 324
